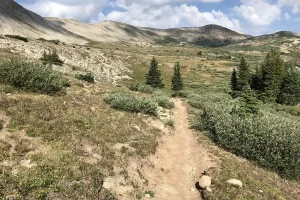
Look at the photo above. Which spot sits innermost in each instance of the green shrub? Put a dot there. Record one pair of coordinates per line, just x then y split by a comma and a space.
181, 94
32, 77
86, 77
162, 99
17, 37
151, 193
271, 140
170, 122
142, 88
52, 41
1, 124
51, 58
134, 87
146, 89
129, 102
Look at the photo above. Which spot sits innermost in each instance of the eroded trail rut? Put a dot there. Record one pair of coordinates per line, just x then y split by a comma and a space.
178, 162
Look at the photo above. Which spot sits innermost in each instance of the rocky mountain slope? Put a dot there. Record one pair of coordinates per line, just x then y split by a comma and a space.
107, 31
16, 20
209, 35
286, 41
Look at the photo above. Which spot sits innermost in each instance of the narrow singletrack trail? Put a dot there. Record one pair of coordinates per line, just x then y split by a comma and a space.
178, 162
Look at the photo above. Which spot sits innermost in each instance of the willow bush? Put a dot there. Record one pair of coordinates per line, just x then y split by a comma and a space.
32, 77
269, 139
131, 103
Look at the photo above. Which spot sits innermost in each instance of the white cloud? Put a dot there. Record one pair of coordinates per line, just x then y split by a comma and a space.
258, 12
297, 19
287, 16
127, 3
150, 13
294, 4
168, 16
83, 10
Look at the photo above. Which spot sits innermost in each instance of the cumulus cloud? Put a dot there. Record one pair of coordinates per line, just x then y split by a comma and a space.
148, 13
294, 4
127, 3
287, 16
84, 10
258, 12
169, 16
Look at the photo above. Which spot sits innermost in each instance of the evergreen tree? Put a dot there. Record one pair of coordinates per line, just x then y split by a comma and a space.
177, 84
256, 80
244, 76
234, 93
234, 80
273, 71
290, 91
248, 103
153, 77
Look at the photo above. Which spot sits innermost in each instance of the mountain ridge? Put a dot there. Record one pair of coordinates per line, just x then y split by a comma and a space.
210, 35
15, 19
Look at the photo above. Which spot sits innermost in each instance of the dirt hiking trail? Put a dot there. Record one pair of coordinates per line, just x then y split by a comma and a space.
179, 161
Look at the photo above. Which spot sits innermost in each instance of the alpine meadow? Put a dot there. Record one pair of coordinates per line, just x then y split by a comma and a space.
149, 100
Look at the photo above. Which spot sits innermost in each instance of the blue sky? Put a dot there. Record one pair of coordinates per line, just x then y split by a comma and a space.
253, 17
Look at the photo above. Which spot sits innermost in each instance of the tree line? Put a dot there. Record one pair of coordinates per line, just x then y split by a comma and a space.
275, 81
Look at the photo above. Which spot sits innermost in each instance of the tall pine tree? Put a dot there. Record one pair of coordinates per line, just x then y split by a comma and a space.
248, 103
177, 84
290, 91
244, 75
233, 84
273, 71
256, 80
153, 77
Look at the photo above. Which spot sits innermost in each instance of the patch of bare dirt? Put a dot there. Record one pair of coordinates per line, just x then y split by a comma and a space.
178, 162
19, 144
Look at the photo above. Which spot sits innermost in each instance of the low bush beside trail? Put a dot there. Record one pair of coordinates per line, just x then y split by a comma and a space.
147, 89
162, 99
129, 102
269, 139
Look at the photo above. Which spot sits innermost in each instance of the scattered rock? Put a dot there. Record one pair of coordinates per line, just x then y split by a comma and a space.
193, 190
147, 195
120, 146
137, 128
209, 189
205, 182
235, 182
193, 172
260, 191
27, 163
11, 197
